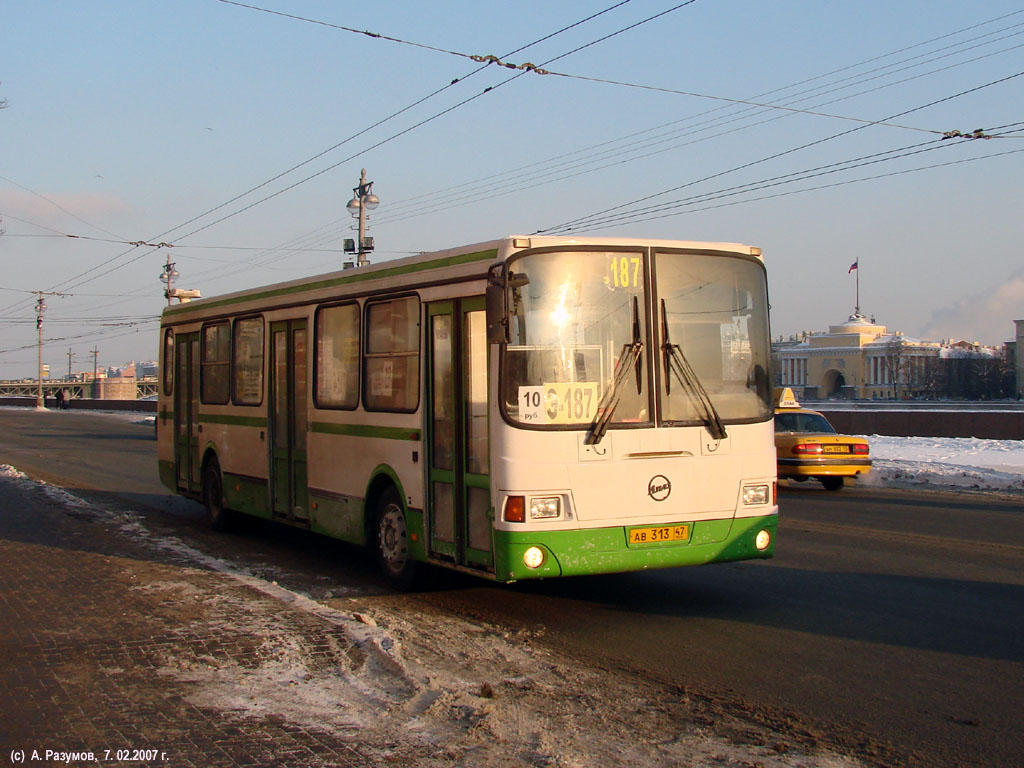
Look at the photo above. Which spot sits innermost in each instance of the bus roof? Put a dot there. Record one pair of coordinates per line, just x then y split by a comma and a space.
465, 262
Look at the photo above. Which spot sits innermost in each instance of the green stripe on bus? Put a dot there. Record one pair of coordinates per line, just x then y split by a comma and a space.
365, 430
604, 550
235, 421
358, 276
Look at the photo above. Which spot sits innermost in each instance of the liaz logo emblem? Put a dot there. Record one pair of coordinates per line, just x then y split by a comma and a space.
659, 488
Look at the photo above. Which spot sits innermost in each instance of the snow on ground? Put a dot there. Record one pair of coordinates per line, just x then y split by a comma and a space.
946, 463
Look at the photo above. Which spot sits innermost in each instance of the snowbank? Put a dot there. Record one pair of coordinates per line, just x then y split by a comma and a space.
947, 463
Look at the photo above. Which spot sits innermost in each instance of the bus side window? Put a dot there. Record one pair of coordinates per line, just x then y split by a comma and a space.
167, 369
247, 361
392, 360
337, 356
215, 380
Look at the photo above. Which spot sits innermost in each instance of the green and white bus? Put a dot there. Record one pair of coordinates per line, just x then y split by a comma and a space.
530, 407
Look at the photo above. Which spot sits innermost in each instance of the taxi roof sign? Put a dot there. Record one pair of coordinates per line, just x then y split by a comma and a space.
784, 398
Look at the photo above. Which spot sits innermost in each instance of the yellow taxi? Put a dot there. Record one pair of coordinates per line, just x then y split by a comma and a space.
807, 445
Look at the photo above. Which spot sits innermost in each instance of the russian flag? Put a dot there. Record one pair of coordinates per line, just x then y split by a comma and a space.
852, 267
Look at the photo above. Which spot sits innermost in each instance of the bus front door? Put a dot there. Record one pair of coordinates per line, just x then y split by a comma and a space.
459, 500
186, 413
288, 421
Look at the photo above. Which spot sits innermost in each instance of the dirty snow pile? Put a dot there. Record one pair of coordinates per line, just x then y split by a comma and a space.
948, 463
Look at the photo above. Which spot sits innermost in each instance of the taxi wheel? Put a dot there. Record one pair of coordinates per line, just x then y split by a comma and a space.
832, 483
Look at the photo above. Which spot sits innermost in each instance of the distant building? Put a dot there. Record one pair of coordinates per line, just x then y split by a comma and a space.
860, 359
146, 370
1018, 355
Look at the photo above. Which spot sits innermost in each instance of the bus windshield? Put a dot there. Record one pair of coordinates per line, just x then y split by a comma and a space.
573, 316
714, 310
578, 321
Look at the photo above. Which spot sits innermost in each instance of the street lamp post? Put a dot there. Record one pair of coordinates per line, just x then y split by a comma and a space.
40, 309
363, 200
168, 277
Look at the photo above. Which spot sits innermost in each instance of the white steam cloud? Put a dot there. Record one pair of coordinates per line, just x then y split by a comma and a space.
985, 317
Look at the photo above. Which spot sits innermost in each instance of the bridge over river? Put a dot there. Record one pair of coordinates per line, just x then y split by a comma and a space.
102, 389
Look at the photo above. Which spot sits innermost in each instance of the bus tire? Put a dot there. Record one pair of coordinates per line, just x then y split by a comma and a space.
213, 497
832, 483
392, 541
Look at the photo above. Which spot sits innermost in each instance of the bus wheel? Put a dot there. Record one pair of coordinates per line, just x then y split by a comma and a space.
213, 496
832, 483
393, 541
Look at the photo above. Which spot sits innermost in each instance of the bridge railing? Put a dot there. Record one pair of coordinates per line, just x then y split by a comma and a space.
78, 389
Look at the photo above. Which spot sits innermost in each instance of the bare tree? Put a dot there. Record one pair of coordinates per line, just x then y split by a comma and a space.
895, 362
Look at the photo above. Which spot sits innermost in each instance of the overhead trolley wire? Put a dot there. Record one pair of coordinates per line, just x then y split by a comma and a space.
291, 248
56, 205
789, 178
878, 157
435, 117
411, 209
759, 96
305, 162
329, 149
374, 35
95, 275
584, 220
443, 112
845, 182
561, 172
369, 128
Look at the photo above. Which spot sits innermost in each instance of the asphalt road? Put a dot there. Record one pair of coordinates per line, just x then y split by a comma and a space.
890, 624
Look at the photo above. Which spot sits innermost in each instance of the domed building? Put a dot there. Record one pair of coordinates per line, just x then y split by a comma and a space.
857, 359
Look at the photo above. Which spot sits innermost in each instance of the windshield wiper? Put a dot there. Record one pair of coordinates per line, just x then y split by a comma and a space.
676, 364
629, 358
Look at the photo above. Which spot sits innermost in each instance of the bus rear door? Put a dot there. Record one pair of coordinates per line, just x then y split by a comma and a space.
288, 421
186, 412
458, 497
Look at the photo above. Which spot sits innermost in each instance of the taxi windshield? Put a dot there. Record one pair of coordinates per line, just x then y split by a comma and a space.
802, 422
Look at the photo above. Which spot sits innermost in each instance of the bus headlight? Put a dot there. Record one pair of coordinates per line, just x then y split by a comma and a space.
545, 506
755, 494
762, 540
533, 557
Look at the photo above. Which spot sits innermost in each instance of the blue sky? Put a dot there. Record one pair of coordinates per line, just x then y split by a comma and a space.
126, 120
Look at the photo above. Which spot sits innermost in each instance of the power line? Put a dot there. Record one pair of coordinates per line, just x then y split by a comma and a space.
615, 156
374, 35
56, 205
583, 220
845, 165
435, 117
835, 184
306, 162
422, 122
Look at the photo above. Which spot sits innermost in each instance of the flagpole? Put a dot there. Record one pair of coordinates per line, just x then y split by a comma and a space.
857, 270
855, 267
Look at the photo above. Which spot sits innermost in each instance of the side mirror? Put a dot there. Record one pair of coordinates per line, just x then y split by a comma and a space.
497, 306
